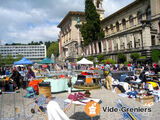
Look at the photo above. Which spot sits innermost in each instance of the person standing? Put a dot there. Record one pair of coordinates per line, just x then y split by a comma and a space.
30, 74
16, 78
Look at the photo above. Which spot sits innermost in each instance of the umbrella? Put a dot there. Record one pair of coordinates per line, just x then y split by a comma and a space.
44, 66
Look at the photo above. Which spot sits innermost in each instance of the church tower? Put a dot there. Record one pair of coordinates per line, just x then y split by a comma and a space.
99, 7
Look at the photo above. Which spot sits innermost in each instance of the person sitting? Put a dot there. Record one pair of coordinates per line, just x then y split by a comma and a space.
54, 111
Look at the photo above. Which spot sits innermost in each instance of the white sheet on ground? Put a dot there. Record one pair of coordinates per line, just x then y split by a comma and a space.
54, 112
125, 85
123, 95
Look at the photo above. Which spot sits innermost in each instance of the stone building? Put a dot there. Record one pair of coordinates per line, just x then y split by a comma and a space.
133, 29
70, 38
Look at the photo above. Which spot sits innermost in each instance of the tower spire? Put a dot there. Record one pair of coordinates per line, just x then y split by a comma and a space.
99, 7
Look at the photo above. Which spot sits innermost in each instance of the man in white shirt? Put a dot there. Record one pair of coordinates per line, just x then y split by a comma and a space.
54, 111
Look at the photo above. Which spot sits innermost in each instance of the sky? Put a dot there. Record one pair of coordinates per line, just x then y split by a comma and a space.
23, 21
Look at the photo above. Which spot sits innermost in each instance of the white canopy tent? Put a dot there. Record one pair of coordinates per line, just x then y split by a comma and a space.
84, 61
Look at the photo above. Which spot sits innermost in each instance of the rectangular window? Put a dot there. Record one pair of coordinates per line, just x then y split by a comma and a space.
153, 40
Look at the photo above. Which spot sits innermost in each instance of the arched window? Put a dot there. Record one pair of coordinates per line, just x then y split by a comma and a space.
148, 13
139, 16
111, 27
124, 23
117, 26
131, 20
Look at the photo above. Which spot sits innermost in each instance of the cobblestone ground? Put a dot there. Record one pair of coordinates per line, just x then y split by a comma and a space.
108, 98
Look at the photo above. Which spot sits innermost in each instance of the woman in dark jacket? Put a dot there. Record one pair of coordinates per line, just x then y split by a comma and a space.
16, 78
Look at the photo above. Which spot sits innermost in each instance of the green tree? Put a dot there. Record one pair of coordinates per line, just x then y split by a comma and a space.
100, 57
79, 58
48, 43
121, 58
134, 56
155, 55
40, 42
34, 43
9, 59
19, 57
53, 49
1, 60
91, 58
142, 57
91, 30
108, 60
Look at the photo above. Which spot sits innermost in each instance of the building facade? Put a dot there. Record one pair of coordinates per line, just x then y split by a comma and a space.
32, 52
70, 38
133, 29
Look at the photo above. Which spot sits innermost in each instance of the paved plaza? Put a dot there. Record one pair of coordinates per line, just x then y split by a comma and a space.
22, 107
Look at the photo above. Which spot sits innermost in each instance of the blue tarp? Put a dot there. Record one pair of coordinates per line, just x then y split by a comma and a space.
23, 61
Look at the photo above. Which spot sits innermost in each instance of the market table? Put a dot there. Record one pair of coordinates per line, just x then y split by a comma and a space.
60, 85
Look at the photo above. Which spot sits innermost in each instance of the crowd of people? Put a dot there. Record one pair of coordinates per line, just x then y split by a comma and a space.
18, 76
21, 74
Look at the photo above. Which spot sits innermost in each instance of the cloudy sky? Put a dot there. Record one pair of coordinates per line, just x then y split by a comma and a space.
24, 21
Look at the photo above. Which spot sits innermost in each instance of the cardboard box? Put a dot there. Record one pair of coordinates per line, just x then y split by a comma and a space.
117, 90
145, 99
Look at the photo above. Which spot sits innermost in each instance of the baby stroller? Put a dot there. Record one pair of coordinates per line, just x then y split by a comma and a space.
30, 92
37, 105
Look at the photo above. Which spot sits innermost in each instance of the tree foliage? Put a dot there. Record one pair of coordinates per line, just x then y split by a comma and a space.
100, 57
35, 43
111, 61
9, 59
79, 58
91, 30
91, 58
48, 43
121, 58
53, 49
134, 56
155, 55
1, 60
19, 57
